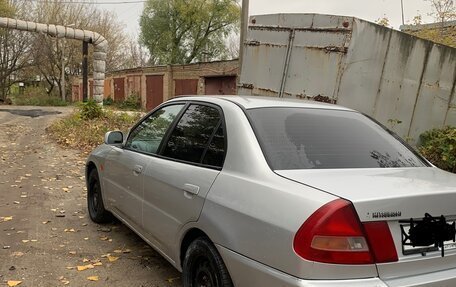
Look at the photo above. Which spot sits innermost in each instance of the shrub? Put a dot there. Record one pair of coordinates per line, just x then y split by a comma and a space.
132, 102
85, 134
108, 101
439, 147
90, 110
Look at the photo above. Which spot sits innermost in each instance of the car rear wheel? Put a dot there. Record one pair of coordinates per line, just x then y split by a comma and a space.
97, 211
203, 266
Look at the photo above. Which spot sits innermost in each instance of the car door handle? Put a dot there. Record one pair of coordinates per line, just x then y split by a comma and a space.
191, 189
137, 169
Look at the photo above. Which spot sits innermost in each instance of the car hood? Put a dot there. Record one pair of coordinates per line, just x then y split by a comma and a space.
386, 193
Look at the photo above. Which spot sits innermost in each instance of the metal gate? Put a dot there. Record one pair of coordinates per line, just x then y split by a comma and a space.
154, 91
185, 87
225, 85
119, 89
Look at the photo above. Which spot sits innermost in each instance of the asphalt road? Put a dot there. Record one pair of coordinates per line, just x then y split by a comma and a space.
45, 232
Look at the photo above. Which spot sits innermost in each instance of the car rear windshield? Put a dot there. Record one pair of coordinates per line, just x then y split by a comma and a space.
303, 138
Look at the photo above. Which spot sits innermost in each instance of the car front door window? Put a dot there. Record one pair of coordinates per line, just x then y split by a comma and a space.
147, 136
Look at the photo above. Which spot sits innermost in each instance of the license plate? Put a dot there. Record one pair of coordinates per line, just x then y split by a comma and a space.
427, 234
408, 249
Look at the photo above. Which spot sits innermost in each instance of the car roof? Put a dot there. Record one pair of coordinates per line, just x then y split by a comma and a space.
254, 102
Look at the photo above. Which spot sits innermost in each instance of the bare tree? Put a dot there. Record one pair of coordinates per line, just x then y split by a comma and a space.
14, 48
137, 55
443, 10
59, 60
233, 46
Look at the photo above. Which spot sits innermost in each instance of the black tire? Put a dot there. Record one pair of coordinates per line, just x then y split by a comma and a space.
97, 211
203, 266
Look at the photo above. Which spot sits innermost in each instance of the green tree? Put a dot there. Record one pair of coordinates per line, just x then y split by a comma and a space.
185, 31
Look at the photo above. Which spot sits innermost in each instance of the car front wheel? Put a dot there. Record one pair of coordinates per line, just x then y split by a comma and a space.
97, 211
203, 266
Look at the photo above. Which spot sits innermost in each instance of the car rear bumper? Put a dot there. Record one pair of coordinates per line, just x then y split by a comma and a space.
432, 279
250, 273
246, 272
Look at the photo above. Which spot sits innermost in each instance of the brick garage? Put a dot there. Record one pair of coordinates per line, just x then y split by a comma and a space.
160, 83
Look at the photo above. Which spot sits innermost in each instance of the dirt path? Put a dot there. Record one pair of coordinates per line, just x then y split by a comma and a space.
45, 232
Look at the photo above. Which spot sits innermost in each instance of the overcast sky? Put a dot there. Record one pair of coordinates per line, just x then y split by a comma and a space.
366, 9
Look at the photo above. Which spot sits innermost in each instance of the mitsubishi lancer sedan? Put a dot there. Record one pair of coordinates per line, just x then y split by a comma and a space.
251, 191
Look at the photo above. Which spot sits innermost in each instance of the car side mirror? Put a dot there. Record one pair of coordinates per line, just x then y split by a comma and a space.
114, 138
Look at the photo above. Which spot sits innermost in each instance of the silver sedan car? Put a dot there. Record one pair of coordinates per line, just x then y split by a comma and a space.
251, 191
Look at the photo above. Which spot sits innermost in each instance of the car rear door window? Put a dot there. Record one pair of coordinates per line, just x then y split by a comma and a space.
190, 139
300, 138
147, 136
215, 153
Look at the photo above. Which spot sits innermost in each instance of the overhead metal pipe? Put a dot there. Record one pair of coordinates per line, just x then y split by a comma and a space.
99, 43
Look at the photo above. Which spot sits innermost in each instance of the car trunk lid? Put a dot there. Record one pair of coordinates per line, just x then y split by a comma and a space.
394, 195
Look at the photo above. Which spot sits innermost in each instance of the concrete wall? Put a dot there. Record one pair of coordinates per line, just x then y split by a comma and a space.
404, 82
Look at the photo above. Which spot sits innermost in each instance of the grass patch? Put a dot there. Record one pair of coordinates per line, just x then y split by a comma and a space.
76, 131
37, 96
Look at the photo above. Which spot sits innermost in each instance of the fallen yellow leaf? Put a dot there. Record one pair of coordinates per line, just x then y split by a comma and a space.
92, 278
25, 241
12, 283
85, 260
8, 218
85, 267
97, 264
72, 252
112, 258
171, 280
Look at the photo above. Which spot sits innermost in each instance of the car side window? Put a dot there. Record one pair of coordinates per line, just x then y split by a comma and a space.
192, 135
215, 153
147, 136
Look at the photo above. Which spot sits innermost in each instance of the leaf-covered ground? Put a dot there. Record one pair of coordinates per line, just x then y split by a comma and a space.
46, 237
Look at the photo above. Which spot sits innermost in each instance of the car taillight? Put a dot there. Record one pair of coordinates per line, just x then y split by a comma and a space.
334, 234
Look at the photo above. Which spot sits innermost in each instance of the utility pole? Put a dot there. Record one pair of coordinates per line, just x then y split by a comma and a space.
244, 26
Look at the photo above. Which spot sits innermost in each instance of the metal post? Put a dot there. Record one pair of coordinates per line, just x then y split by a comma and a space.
402, 9
244, 27
85, 71
62, 75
